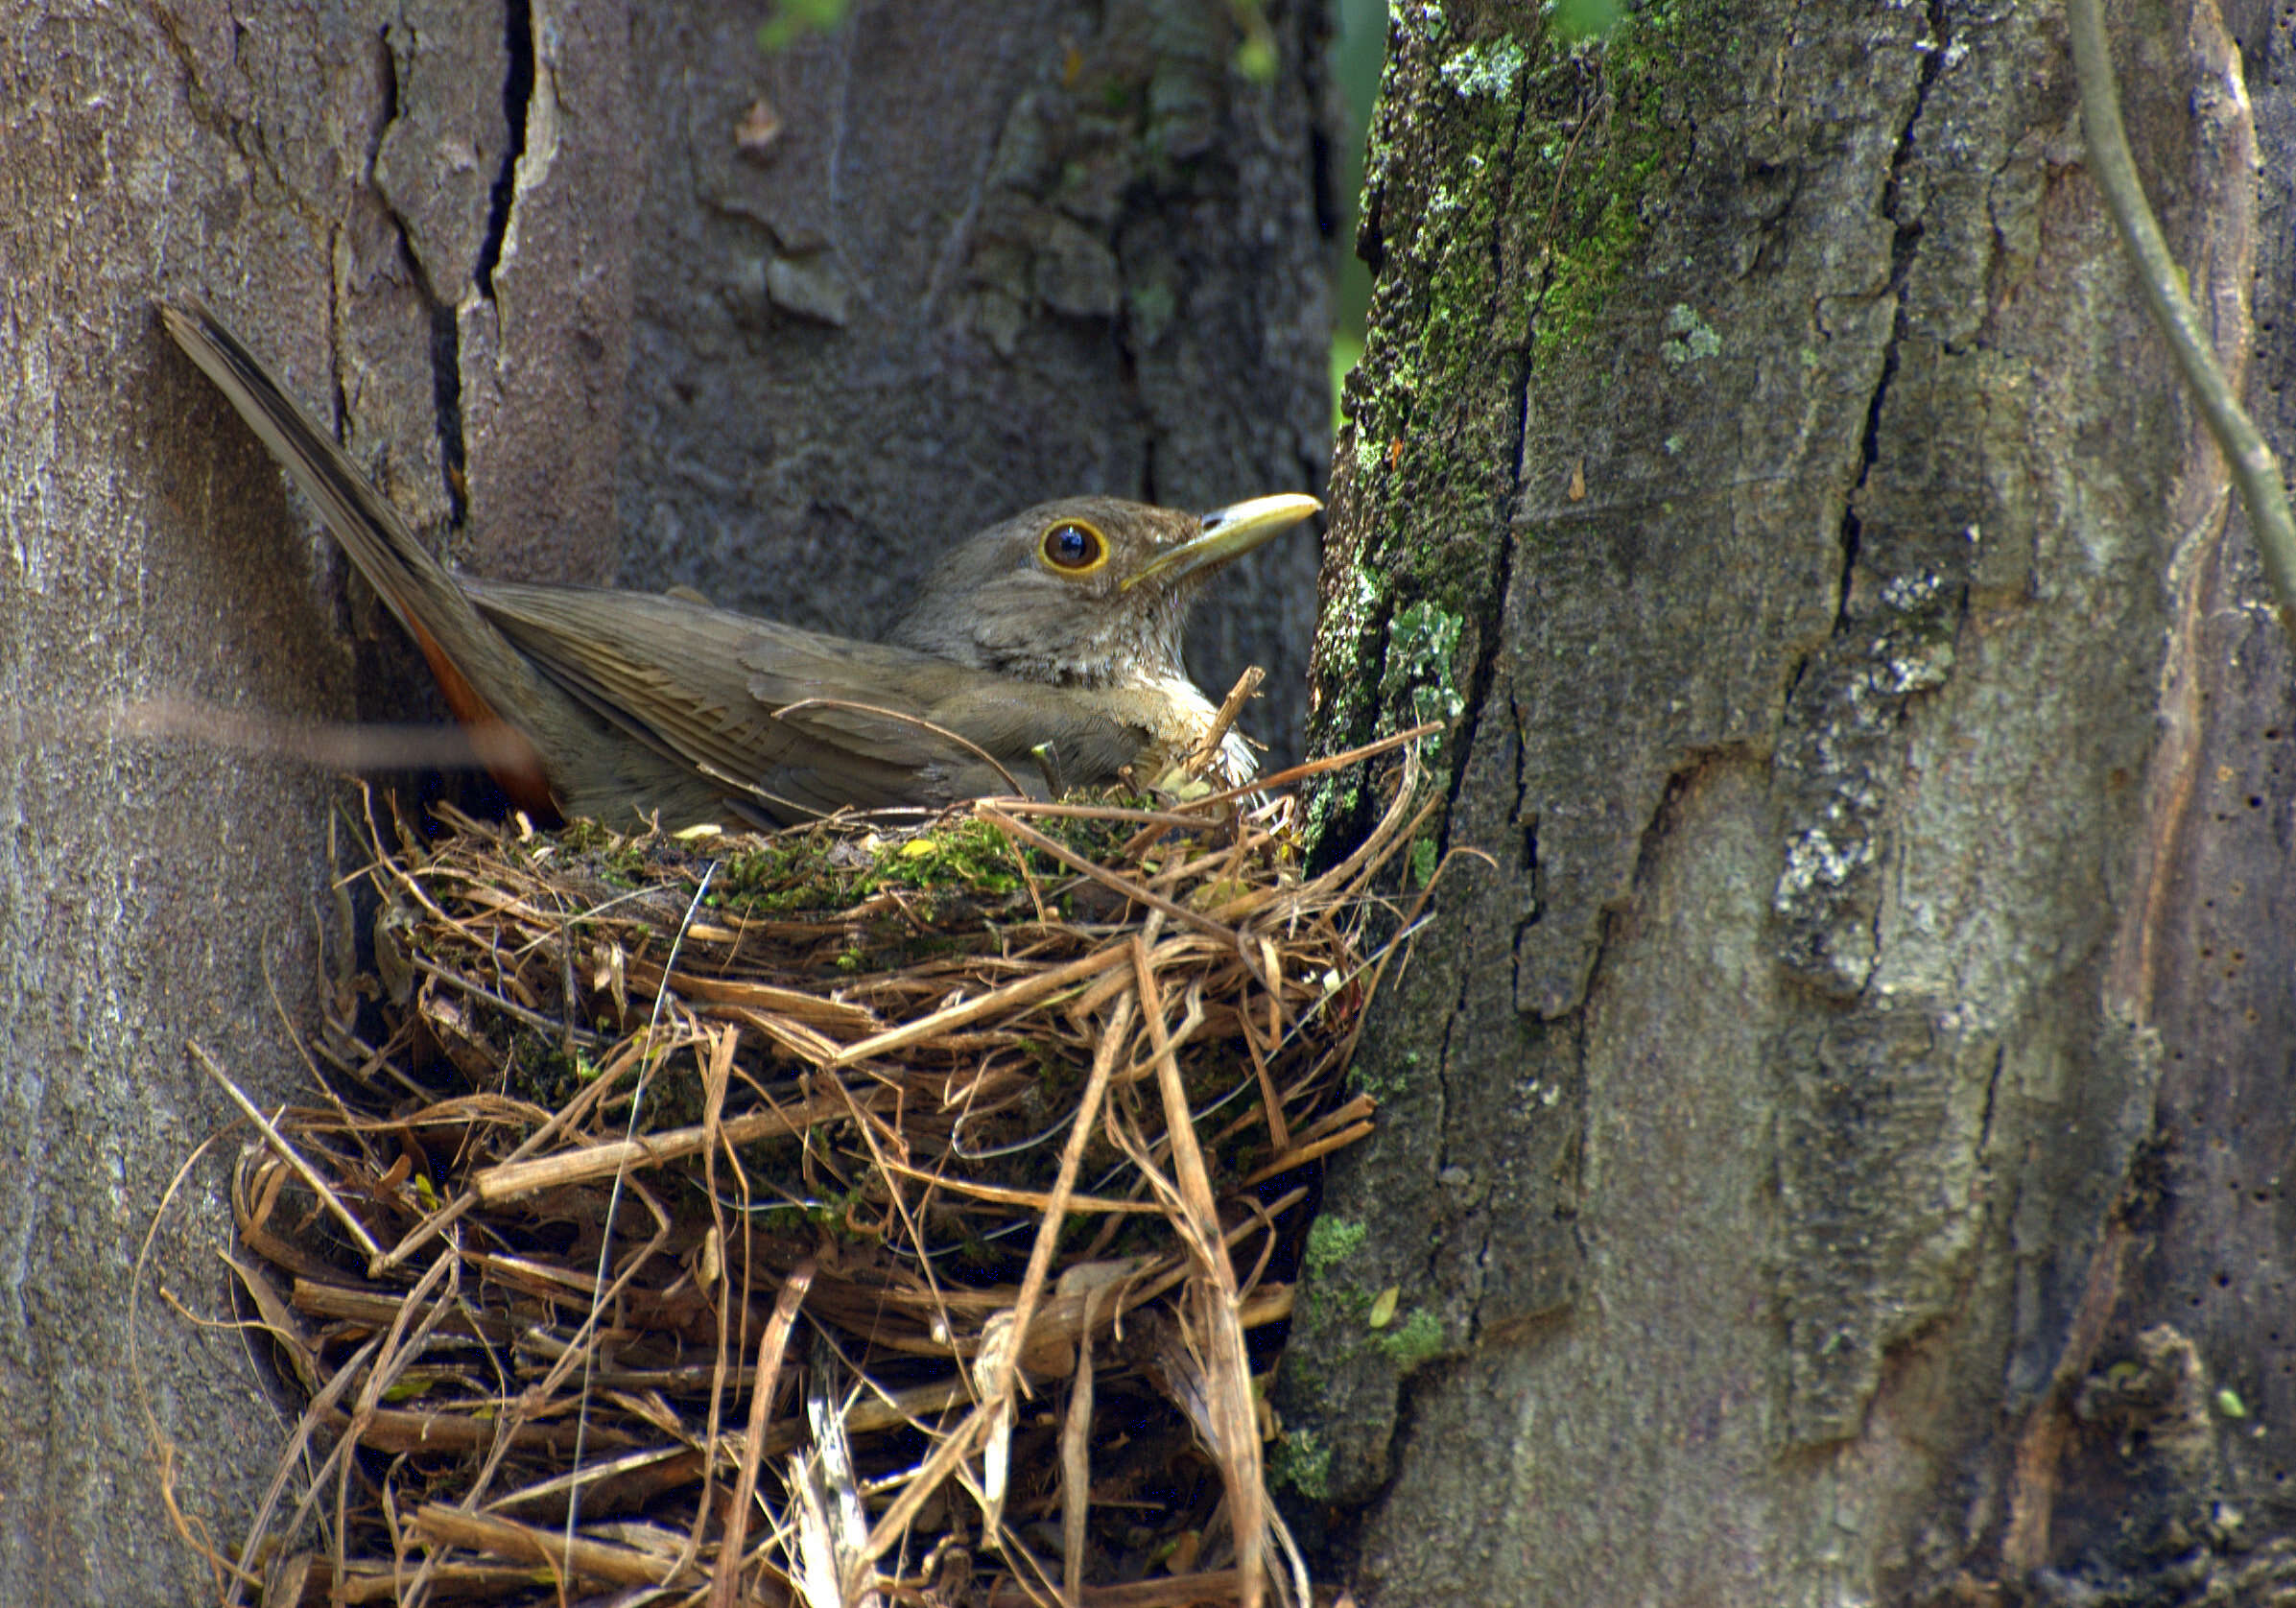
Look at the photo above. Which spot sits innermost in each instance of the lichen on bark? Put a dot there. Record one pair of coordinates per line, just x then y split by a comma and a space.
1764, 397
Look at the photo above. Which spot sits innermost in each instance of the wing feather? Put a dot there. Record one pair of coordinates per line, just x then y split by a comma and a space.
714, 689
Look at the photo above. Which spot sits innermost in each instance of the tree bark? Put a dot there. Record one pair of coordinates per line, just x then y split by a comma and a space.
1822, 1156
908, 276
555, 283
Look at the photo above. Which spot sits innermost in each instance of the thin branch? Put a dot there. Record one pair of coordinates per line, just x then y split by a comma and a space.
2252, 462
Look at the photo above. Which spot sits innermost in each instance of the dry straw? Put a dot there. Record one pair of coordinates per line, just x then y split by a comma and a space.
857, 1215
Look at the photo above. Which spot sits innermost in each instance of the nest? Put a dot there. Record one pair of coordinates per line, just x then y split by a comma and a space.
857, 1214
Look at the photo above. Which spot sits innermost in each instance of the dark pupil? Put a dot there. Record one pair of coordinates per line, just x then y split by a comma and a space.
1070, 546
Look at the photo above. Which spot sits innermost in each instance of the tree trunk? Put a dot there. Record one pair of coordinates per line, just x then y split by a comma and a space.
1832, 1135
906, 277
611, 291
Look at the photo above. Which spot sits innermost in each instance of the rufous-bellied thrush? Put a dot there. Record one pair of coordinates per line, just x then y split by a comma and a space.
1046, 648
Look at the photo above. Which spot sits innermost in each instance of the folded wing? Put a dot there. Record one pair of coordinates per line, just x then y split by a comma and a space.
793, 723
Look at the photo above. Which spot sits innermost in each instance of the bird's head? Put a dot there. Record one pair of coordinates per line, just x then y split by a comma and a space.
1087, 591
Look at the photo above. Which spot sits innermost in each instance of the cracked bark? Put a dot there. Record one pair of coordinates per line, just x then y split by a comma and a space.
544, 269
1856, 1135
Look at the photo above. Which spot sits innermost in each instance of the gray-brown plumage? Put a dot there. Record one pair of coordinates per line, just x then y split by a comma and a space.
1050, 644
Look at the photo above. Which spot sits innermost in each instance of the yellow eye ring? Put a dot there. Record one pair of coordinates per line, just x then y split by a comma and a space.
1073, 547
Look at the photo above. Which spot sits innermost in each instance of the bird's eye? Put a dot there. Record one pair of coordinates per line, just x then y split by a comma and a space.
1073, 548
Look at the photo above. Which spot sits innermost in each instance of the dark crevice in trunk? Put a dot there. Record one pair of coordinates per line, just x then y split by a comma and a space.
1490, 624
517, 98
446, 344
446, 399
1904, 241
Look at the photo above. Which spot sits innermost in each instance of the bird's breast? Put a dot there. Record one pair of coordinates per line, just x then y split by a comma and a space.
1178, 718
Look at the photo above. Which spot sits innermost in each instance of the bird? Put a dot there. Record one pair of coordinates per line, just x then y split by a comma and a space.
1044, 652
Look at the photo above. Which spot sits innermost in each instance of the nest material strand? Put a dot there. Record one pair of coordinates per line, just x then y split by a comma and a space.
835, 1217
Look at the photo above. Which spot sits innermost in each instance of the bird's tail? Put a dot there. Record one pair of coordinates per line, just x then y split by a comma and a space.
465, 651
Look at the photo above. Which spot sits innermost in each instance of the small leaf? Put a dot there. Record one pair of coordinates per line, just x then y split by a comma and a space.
1382, 1308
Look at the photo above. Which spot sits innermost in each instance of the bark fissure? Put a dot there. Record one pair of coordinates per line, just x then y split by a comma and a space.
1526, 821
446, 399
1650, 843
1515, 386
1983, 1143
1834, 857
1847, 698
1904, 241
339, 400
502, 197
517, 100
1446, 1101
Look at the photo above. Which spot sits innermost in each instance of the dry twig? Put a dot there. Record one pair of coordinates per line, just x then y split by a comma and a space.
872, 1039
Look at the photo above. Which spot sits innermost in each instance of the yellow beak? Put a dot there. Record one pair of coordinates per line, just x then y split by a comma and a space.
1227, 534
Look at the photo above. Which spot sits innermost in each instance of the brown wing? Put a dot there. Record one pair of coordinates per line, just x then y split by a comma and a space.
702, 691
715, 690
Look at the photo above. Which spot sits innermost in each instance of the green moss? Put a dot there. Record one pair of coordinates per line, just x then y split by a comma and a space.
964, 857
1331, 1240
968, 855
1577, 21
1330, 806
1366, 1075
1345, 711
1424, 860
541, 1069
1414, 1341
1606, 189
1304, 1463
783, 875
1513, 185
619, 859
1416, 399
1581, 278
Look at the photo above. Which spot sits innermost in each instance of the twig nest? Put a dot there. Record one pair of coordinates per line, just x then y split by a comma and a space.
918, 1183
